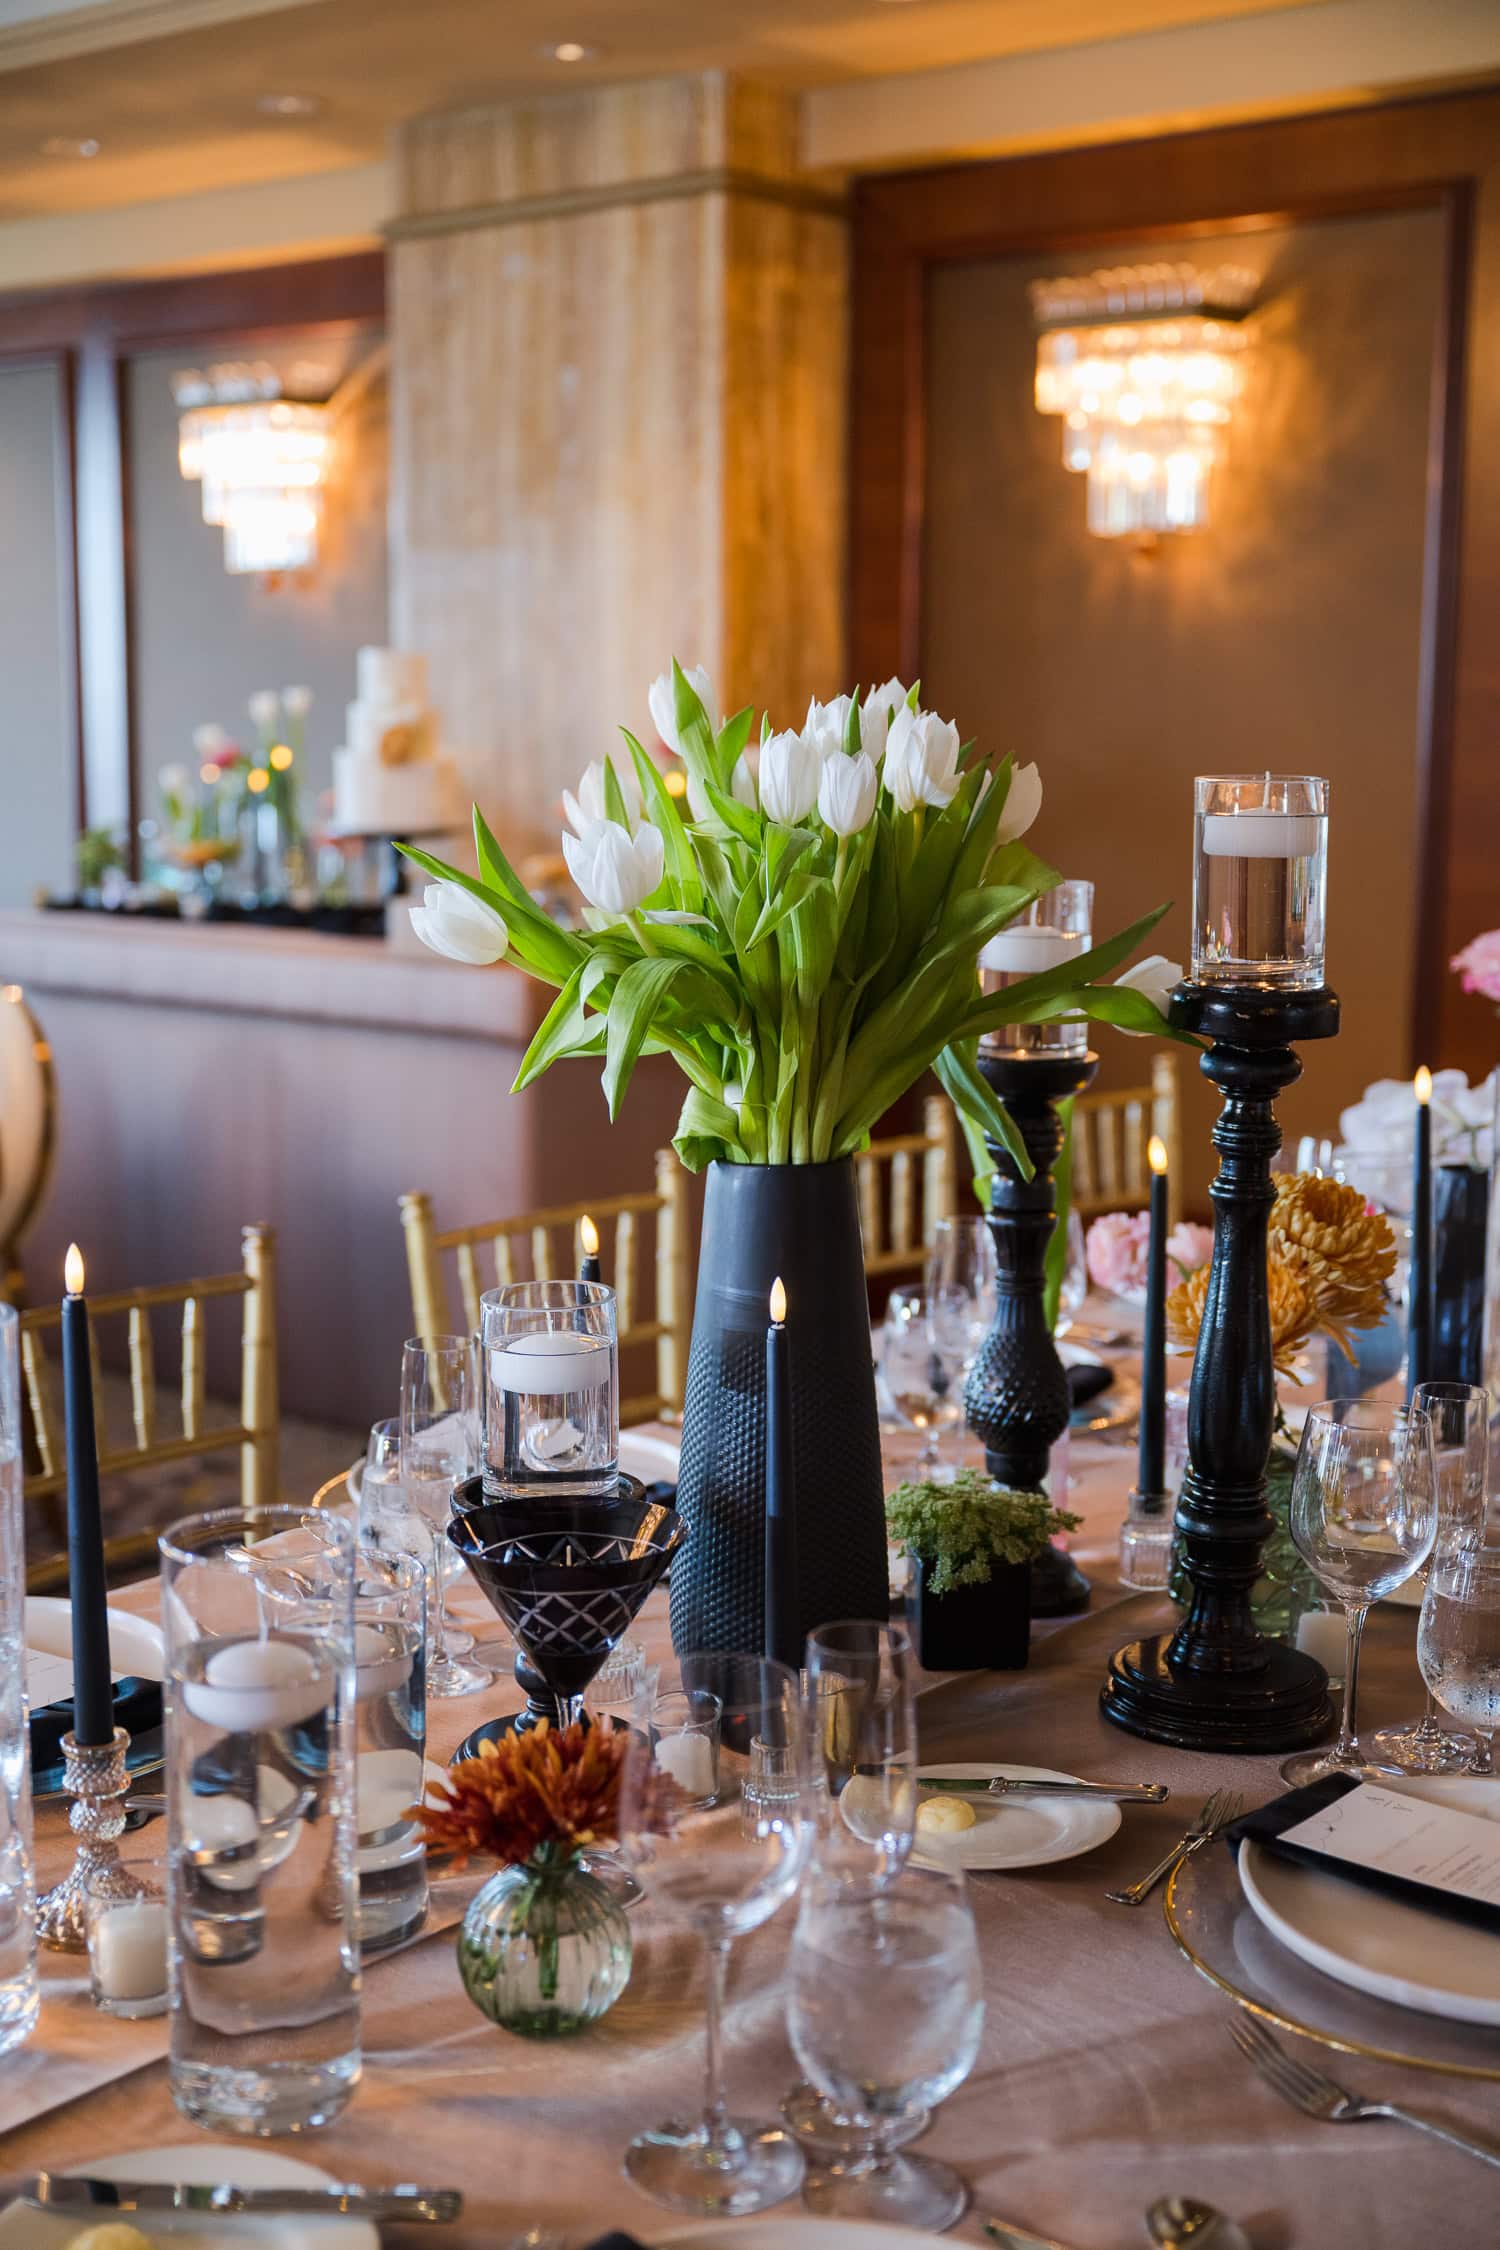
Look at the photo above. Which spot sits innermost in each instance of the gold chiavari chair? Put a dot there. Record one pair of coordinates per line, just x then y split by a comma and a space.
544, 1245
906, 1184
1110, 1132
256, 1434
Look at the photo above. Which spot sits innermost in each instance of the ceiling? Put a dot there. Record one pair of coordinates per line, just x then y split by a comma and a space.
173, 110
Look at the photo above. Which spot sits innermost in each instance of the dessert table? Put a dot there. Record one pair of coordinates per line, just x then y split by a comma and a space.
1106, 2076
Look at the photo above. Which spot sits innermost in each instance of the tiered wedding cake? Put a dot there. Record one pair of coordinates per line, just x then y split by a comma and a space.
391, 778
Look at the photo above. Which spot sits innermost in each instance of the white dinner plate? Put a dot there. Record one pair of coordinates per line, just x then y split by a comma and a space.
651, 1458
1377, 1944
136, 1648
772, 2232
1017, 1831
24, 2227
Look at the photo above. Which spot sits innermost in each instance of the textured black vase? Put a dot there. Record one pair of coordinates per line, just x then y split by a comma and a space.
1460, 1209
800, 1221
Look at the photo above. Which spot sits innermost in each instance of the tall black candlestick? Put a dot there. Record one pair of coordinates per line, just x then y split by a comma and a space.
1151, 1459
93, 1698
1419, 1279
781, 1635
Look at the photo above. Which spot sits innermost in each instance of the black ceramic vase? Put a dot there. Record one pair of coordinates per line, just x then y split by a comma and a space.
800, 1221
972, 1628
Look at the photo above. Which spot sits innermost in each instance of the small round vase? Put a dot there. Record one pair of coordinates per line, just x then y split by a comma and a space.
544, 1949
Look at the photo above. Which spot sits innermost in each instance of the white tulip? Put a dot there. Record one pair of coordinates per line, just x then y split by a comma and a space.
453, 922
847, 791
589, 806
209, 740
615, 870
265, 708
663, 703
823, 728
921, 759
1155, 977
1022, 806
296, 701
790, 771
173, 781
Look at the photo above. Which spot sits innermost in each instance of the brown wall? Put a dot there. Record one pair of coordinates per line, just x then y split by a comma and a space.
1285, 636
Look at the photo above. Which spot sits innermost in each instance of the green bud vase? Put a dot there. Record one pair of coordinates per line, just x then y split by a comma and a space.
544, 1949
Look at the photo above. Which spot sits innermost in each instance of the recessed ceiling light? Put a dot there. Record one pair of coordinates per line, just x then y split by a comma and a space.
60, 145
570, 51
289, 105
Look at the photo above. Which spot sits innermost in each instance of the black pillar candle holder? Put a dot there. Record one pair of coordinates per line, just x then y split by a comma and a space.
1017, 1398
1217, 1683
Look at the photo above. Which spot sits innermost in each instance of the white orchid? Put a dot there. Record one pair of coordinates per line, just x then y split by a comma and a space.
790, 771
663, 703
921, 760
296, 701
1154, 977
616, 871
590, 806
847, 789
1022, 805
453, 922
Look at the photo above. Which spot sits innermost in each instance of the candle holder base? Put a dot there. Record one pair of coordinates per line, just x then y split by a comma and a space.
1283, 1706
1058, 1586
94, 1774
1146, 1543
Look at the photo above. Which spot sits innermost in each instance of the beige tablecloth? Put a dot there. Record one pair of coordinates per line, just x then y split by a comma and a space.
1106, 2075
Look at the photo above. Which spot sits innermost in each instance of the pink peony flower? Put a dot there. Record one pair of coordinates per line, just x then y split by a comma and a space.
1115, 1252
1189, 1246
1479, 965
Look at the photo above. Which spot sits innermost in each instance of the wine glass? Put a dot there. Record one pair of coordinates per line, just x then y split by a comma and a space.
1458, 1639
860, 1692
1363, 1517
1074, 1286
1459, 1414
885, 2006
962, 1256
439, 1444
389, 1525
722, 1866
925, 1348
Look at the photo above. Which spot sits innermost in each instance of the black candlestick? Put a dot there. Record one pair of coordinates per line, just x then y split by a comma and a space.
1151, 1454
1017, 1395
1419, 1277
93, 1696
1217, 1683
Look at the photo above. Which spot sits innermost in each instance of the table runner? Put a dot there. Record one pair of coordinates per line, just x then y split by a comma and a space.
1105, 2077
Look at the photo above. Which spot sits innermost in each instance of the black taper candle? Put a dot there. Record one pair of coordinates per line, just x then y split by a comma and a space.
93, 1698
783, 1641
589, 1269
1419, 1277
1151, 1458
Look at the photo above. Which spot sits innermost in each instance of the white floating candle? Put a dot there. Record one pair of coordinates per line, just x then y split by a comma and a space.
1324, 1635
222, 1835
1262, 835
248, 1687
550, 1361
387, 1783
128, 1950
688, 1759
1027, 950
381, 1667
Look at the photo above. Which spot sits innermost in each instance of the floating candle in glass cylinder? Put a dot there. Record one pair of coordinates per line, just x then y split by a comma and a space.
551, 1388
1055, 930
1260, 879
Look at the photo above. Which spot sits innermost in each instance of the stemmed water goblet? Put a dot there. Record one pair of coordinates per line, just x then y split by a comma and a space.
962, 1256
1458, 1638
1459, 1414
885, 2008
722, 1866
1363, 1518
926, 1345
439, 1447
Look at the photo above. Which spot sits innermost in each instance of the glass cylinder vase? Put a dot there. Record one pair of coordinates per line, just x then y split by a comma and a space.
544, 1949
551, 1390
1260, 879
1055, 929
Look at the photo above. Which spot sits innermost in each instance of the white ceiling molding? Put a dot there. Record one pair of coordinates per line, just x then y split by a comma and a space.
45, 31
1296, 58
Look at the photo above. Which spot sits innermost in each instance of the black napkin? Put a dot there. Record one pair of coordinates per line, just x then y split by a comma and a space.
616, 2241
1266, 1827
137, 1706
1086, 1380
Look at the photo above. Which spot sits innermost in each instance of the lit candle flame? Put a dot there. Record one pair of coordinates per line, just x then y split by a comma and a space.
258, 781
1422, 1085
1156, 1153
675, 783
588, 1235
73, 1271
281, 756
778, 1301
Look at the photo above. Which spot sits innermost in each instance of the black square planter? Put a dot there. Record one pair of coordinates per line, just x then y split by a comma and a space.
972, 1628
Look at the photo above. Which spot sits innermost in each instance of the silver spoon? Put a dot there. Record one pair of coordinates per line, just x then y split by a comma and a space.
1174, 2221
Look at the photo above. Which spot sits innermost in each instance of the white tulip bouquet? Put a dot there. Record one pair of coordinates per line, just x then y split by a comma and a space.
805, 942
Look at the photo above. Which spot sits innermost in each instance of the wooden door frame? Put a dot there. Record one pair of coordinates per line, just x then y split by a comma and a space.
1439, 154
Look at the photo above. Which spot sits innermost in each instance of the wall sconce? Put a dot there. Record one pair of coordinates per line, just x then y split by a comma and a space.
1143, 363
262, 460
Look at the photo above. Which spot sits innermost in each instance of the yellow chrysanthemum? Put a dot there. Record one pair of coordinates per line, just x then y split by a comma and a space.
1293, 1317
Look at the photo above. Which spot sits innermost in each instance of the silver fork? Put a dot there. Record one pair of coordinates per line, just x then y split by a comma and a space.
1222, 1807
1317, 2096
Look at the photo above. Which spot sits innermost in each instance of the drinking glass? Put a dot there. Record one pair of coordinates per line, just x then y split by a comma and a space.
885, 2006
439, 1446
1260, 879
962, 1256
390, 1721
551, 1390
1458, 1639
1053, 931
1075, 1275
126, 1926
924, 1350
722, 1867
258, 1613
1363, 1517
388, 1524
19, 1991
1459, 1414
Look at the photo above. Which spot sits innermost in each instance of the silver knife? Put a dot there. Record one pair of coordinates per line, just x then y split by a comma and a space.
58, 2191
1012, 2237
1008, 1785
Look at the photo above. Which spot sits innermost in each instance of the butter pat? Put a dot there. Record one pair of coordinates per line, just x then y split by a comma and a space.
113, 2235
944, 1816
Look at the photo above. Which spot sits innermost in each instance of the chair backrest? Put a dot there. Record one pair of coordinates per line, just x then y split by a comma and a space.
1111, 1171
544, 1245
28, 1129
906, 1184
256, 1433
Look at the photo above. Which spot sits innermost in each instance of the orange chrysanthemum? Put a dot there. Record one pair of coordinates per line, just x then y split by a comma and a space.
1343, 1253
527, 1790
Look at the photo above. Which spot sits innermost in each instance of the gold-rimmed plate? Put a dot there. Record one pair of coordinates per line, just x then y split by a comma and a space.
1215, 1930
